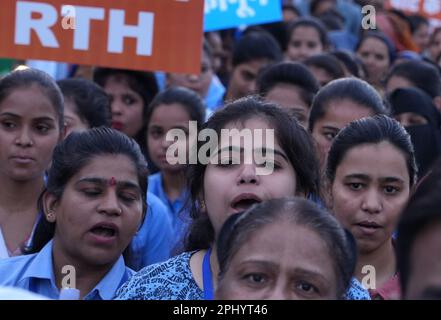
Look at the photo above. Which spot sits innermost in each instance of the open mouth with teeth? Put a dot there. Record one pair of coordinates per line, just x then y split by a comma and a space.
102, 231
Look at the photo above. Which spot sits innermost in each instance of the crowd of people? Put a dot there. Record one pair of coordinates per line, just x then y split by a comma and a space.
349, 210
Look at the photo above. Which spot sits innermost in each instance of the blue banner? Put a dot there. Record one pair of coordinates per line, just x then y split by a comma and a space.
223, 14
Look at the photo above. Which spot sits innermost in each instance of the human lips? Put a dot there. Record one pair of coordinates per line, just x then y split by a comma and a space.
104, 232
117, 125
244, 201
368, 227
22, 159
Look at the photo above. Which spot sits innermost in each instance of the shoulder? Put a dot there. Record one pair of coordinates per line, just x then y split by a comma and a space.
13, 269
169, 280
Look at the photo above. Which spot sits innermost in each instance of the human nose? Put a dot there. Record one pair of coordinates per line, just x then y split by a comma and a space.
372, 202
248, 175
24, 137
116, 108
110, 204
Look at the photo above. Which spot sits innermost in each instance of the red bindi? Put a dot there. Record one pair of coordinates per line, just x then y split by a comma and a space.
112, 181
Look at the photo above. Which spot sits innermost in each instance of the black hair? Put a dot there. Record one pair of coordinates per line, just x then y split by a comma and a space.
256, 45
422, 74
92, 104
349, 60
422, 211
332, 19
28, 77
288, 5
371, 130
391, 49
74, 153
328, 63
143, 83
416, 21
315, 3
311, 23
352, 89
292, 137
292, 73
240, 227
190, 101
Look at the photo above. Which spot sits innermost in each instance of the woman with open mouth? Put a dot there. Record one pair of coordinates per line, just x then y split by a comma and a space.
230, 184
93, 204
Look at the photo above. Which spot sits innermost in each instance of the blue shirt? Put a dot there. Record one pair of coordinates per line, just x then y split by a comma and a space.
179, 215
154, 240
35, 273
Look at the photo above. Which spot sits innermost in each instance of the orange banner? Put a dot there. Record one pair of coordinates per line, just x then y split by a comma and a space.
152, 35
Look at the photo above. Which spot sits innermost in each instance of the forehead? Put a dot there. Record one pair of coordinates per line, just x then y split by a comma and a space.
274, 243
170, 113
377, 161
118, 82
119, 167
373, 44
256, 127
339, 113
306, 33
253, 66
286, 95
29, 102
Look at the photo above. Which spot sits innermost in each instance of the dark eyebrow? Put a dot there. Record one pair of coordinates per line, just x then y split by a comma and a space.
104, 182
310, 274
391, 180
359, 176
331, 128
9, 114
276, 152
13, 115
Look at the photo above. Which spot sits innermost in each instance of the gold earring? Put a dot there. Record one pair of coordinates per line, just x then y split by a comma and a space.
50, 215
203, 206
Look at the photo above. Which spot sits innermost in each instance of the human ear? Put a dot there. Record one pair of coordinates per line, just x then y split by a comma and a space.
50, 205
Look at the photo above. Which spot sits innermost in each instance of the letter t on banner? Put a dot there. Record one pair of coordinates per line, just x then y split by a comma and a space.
154, 35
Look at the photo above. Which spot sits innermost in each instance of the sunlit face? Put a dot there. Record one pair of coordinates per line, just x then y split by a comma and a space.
397, 82
425, 262
127, 106
163, 119
421, 36
270, 266
99, 211
243, 78
29, 131
435, 45
375, 56
72, 121
230, 188
198, 83
338, 114
370, 189
304, 43
408, 119
288, 97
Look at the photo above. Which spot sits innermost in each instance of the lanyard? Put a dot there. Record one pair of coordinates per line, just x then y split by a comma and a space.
207, 277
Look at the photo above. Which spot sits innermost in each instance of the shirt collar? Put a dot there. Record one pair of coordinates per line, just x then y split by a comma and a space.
41, 267
107, 287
